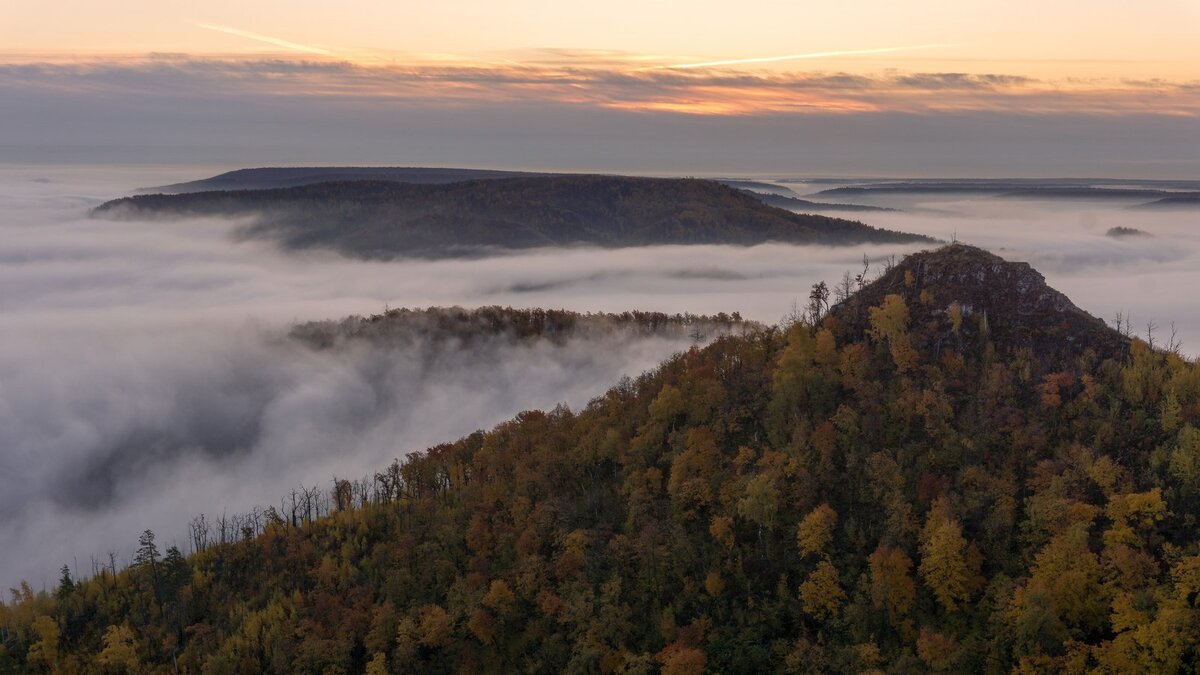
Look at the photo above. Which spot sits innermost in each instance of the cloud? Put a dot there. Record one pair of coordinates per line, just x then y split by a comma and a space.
709, 91
797, 57
258, 37
569, 115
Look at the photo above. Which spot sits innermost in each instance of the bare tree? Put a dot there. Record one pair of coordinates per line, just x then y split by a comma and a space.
863, 277
1174, 343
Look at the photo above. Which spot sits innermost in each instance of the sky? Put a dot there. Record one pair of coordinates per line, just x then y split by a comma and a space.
987, 88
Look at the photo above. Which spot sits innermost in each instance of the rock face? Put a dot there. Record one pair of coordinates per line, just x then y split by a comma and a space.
1007, 304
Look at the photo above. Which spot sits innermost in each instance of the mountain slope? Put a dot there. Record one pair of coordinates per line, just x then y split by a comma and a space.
385, 219
828, 498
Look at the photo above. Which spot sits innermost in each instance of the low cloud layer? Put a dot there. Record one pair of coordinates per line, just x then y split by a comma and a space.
145, 376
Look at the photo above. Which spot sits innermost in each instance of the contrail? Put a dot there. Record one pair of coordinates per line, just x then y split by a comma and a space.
263, 38
793, 57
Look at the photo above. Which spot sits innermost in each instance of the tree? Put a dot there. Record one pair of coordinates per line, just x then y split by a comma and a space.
119, 654
147, 551
499, 598
892, 588
821, 595
818, 302
377, 664
693, 471
680, 659
815, 532
890, 319
436, 627
889, 322
44, 652
66, 585
944, 558
760, 504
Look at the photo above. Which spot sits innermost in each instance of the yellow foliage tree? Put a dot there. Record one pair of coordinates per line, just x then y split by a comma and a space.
693, 470
944, 565
44, 652
820, 595
436, 627
120, 650
892, 588
889, 319
889, 322
499, 598
377, 665
815, 532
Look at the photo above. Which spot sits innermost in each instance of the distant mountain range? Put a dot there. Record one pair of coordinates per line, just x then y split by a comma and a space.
386, 219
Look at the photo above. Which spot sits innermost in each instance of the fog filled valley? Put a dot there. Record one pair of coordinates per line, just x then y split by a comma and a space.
148, 375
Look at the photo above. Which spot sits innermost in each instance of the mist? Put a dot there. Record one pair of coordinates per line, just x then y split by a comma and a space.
146, 375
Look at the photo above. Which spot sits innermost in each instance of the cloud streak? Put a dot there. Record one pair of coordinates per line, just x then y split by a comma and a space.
266, 39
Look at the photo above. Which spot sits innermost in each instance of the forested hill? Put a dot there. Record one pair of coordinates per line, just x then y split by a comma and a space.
467, 328
1011, 301
895, 485
291, 176
373, 219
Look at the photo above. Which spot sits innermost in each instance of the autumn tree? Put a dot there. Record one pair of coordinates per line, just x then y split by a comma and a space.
944, 565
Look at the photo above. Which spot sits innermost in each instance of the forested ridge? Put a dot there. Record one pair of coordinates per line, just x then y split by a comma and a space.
404, 327
381, 219
952, 469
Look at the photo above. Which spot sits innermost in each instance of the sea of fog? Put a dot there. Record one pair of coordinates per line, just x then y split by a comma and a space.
144, 378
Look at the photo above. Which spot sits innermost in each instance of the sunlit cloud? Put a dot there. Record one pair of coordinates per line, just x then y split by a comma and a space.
267, 39
796, 57
575, 80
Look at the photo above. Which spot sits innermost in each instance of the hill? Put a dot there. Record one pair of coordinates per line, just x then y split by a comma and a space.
403, 328
809, 206
373, 219
897, 485
1012, 299
1174, 201
263, 178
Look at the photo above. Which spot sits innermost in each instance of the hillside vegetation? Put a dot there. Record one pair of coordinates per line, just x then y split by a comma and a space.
953, 469
379, 219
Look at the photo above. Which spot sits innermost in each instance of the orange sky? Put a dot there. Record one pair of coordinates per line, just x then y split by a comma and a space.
1048, 40
1115, 83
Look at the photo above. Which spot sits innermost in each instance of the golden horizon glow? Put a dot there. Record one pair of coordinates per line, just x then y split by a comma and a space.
768, 56
613, 83
1071, 38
